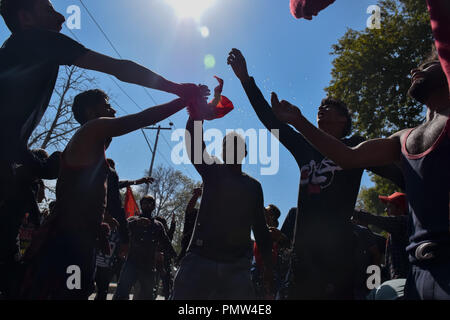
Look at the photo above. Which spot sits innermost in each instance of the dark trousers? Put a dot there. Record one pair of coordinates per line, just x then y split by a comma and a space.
11, 216
200, 278
103, 278
49, 273
428, 281
131, 273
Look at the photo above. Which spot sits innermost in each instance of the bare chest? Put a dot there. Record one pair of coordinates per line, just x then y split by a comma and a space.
423, 137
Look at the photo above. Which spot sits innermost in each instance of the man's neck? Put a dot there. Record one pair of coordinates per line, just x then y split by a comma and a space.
236, 168
146, 215
332, 130
440, 105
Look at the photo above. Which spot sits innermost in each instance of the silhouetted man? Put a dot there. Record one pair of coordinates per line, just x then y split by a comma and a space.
424, 152
323, 244
81, 197
146, 235
29, 64
217, 265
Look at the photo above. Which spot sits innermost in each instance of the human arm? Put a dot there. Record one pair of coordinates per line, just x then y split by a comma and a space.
173, 225
263, 239
292, 140
127, 183
131, 72
196, 193
389, 224
196, 147
371, 153
166, 244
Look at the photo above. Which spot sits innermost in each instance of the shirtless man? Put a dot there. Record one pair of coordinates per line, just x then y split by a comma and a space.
424, 152
81, 196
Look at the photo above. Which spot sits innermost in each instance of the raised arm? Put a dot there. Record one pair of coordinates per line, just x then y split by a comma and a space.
196, 147
105, 128
131, 72
371, 153
196, 193
290, 138
166, 244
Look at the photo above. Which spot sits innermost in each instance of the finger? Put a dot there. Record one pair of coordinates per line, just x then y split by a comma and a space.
274, 99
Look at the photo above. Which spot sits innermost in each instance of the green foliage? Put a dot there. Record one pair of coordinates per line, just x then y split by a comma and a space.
371, 68
368, 197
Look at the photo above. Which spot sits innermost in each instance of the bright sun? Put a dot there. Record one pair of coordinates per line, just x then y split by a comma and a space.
190, 8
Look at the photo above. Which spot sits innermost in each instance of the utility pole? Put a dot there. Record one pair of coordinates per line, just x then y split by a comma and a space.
158, 128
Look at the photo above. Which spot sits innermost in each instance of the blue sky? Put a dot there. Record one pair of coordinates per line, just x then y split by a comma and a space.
288, 56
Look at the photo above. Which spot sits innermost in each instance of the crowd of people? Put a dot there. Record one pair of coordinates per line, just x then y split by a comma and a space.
324, 248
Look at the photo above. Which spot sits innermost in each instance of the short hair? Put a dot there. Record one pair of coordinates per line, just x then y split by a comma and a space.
111, 163
41, 154
342, 109
86, 100
147, 199
9, 9
233, 136
274, 209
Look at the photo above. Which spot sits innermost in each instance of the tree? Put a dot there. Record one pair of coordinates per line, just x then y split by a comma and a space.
172, 191
58, 125
371, 68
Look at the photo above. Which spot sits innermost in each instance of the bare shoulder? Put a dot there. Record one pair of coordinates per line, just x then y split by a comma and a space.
399, 135
86, 145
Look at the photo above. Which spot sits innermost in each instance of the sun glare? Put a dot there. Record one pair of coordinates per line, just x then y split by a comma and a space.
190, 8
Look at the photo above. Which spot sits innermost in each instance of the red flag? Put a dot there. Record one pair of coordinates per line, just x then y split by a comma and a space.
130, 206
217, 108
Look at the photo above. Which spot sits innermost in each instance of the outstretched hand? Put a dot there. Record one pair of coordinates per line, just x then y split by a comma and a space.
284, 110
237, 62
190, 92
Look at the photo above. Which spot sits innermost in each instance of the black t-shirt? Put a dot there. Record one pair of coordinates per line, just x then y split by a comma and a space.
327, 193
232, 206
29, 65
145, 240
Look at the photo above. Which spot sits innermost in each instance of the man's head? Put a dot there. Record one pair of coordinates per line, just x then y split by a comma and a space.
272, 214
28, 14
234, 149
90, 105
428, 81
147, 206
396, 204
111, 163
334, 116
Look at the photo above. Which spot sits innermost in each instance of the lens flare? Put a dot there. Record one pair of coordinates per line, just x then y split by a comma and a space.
209, 61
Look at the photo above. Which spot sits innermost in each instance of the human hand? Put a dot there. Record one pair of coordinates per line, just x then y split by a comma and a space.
284, 110
191, 92
237, 62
